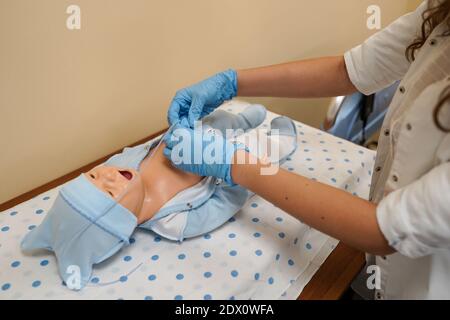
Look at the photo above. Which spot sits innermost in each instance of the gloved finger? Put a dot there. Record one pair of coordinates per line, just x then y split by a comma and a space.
173, 114
167, 153
195, 110
176, 134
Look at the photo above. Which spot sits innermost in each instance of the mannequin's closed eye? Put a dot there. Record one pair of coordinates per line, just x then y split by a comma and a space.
92, 176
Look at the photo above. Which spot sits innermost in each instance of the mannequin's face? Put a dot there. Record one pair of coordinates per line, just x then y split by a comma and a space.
124, 185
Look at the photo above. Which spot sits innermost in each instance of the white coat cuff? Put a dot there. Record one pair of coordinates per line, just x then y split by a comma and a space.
396, 229
354, 75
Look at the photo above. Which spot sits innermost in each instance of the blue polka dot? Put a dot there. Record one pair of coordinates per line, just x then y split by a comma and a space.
95, 280
231, 236
4, 229
152, 277
257, 234
288, 159
234, 273
306, 150
257, 276
44, 263
36, 284
350, 171
148, 298
39, 211
290, 262
334, 180
328, 159
296, 240
361, 152
181, 256
346, 187
311, 169
207, 236
155, 257
157, 239
304, 141
343, 150
282, 235
279, 219
133, 240
232, 298
255, 220
325, 150
6, 286
277, 257
13, 213
127, 258
45, 198
270, 280
207, 254
232, 219
258, 252
331, 168
180, 276
308, 159
123, 278
233, 253
178, 297
347, 160
254, 205
207, 297
207, 274
31, 227
308, 246
15, 264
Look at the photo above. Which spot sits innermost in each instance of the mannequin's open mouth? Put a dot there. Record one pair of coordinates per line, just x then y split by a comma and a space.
126, 174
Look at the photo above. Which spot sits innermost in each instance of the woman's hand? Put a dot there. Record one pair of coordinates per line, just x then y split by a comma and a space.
200, 99
202, 152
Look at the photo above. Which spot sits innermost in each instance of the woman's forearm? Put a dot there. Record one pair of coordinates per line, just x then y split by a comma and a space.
322, 77
327, 209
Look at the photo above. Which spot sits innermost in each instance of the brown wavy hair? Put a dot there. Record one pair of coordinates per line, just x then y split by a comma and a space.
436, 13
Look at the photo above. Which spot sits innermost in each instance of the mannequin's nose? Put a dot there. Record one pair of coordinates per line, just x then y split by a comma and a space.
110, 175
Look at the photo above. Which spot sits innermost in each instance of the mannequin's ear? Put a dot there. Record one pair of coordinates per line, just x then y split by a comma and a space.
38, 238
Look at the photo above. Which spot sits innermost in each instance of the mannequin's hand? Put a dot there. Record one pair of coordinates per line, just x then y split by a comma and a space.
204, 153
200, 99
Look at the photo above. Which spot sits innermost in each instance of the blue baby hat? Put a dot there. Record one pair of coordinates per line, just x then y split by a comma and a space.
84, 227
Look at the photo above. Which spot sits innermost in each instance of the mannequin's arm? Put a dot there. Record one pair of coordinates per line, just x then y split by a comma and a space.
327, 209
322, 77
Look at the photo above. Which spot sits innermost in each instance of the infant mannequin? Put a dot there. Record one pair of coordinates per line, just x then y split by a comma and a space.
95, 214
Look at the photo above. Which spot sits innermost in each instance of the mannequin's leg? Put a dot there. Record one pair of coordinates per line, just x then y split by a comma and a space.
249, 119
276, 145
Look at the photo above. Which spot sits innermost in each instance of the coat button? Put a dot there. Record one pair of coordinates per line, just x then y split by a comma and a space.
386, 132
433, 42
378, 169
402, 89
409, 126
395, 178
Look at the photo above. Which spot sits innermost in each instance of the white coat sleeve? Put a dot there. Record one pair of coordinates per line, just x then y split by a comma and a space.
415, 219
381, 60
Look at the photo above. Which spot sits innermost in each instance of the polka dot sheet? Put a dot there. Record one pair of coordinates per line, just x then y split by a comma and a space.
260, 253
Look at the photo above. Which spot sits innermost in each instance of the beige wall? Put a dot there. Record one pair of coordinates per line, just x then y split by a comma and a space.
70, 97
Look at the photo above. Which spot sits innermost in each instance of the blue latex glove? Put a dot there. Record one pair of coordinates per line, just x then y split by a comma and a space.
202, 98
190, 150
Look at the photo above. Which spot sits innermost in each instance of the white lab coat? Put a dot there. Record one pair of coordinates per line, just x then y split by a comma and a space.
411, 179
